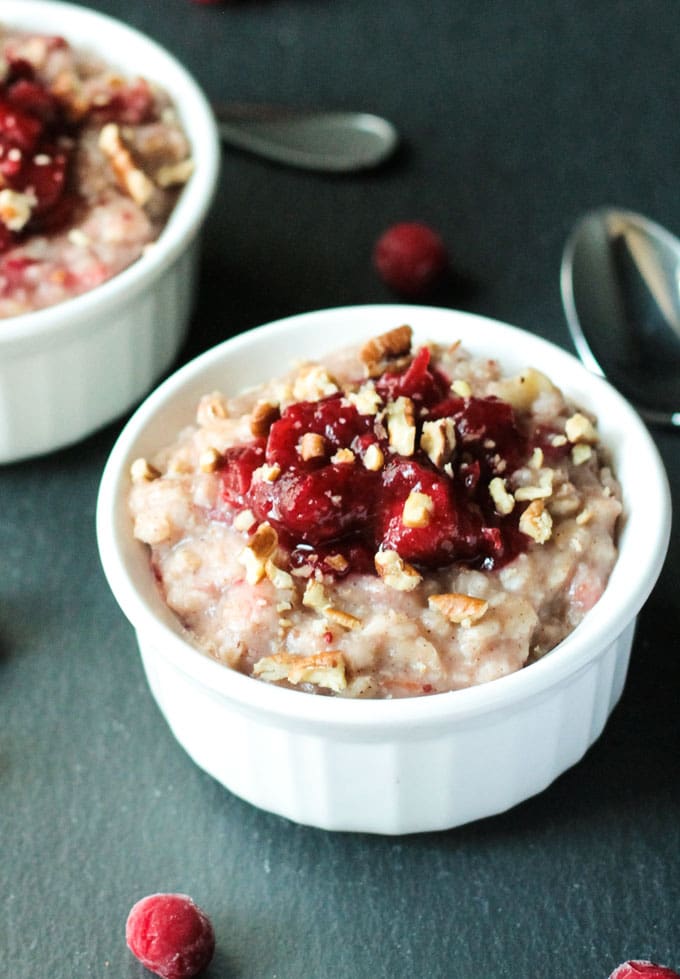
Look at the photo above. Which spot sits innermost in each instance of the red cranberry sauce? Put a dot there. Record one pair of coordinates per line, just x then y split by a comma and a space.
37, 144
323, 508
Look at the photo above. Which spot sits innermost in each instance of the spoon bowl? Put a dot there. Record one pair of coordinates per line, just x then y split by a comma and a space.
620, 282
329, 140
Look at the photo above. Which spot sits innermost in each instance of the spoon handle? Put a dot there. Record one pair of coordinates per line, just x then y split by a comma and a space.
326, 140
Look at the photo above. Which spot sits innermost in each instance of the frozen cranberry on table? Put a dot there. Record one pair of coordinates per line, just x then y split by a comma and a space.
639, 969
170, 935
410, 257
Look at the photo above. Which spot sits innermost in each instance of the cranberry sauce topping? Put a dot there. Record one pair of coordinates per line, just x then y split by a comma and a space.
334, 484
35, 155
37, 144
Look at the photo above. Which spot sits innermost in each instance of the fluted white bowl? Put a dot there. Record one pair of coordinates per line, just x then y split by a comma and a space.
388, 766
67, 370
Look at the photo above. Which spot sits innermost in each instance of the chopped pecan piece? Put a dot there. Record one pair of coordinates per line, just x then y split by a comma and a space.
401, 427
538, 491
536, 522
374, 458
504, 502
312, 446
391, 349
386, 347
313, 383
315, 595
262, 417
459, 608
174, 174
142, 471
461, 388
343, 457
418, 510
211, 408
133, 181
258, 551
438, 440
344, 619
326, 669
267, 473
580, 453
523, 389
244, 520
578, 428
366, 400
337, 562
395, 572
209, 460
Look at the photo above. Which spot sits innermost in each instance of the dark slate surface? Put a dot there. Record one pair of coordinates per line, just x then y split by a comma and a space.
517, 117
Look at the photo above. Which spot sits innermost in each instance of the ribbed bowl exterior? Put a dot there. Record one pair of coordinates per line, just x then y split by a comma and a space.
437, 777
54, 394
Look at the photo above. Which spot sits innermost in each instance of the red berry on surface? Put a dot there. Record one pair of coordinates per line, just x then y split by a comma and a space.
170, 935
410, 257
639, 969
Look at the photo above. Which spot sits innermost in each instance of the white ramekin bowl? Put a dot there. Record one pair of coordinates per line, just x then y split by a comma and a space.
67, 370
388, 766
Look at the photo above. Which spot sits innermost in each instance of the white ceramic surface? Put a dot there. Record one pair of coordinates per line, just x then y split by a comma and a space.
404, 765
67, 370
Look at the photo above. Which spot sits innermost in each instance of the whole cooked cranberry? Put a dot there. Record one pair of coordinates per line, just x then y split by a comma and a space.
636, 968
170, 935
410, 257
449, 533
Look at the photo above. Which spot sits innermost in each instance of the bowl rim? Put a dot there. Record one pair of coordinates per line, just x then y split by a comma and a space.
76, 313
590, 639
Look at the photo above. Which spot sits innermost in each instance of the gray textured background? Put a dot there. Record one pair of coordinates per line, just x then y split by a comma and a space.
517, 116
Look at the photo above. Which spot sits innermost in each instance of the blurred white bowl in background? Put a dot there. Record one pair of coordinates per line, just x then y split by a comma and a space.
69, 369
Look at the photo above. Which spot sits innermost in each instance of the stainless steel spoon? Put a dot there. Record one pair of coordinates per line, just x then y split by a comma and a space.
620, 281
328, 140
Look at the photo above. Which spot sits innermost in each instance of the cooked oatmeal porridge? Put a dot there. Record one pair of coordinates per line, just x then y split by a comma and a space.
91, 165
390, 522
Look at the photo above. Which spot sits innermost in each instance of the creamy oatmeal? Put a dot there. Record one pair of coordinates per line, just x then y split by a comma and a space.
391, 522
91, 165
